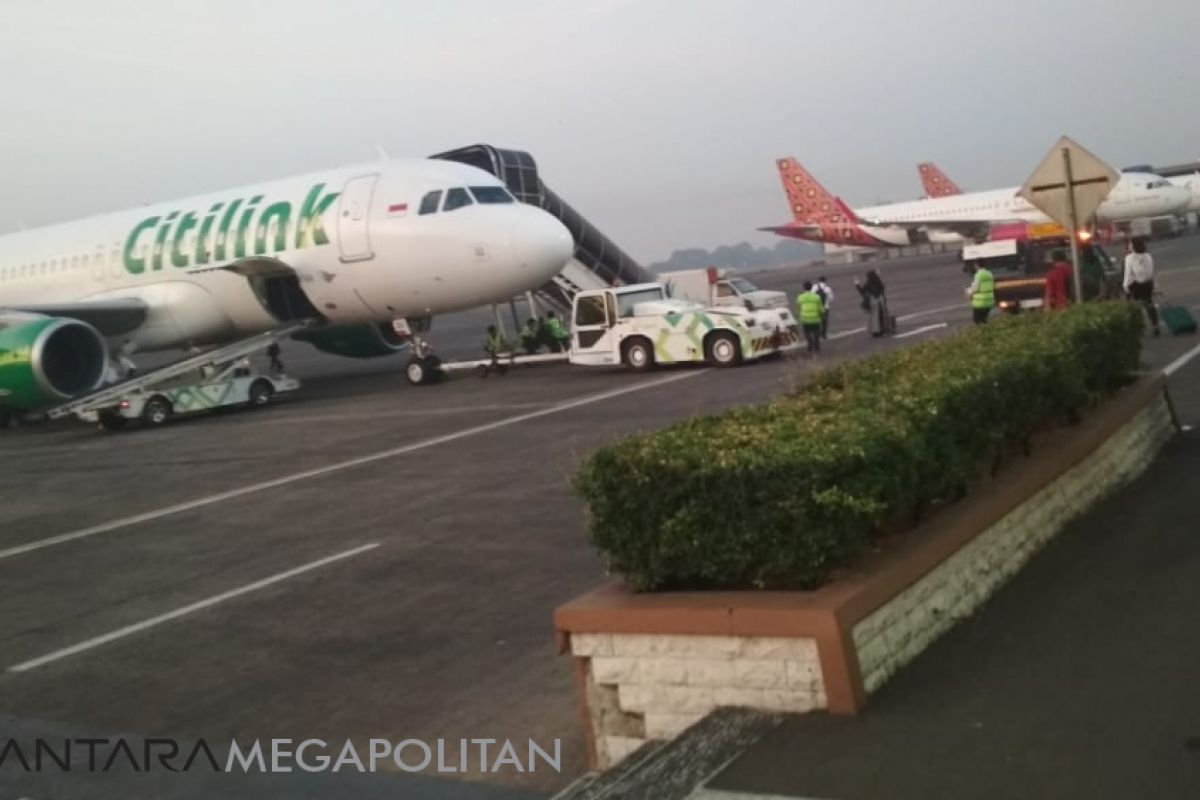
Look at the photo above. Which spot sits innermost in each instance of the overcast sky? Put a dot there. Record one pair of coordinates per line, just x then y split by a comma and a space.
658, 119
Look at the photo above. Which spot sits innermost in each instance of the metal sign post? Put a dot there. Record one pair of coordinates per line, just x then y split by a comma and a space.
1074, 226
1069, 185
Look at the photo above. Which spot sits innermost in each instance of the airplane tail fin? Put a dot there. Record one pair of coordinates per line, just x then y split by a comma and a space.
935, 181
807, 198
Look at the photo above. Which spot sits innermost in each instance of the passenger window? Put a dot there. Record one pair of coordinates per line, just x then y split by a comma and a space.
456, 198
724, 290
590, 310
429, 203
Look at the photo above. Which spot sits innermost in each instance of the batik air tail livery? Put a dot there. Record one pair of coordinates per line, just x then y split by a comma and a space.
947, 216
350, 250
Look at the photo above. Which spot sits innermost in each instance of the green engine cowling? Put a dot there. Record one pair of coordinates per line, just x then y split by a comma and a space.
45, 361
355, 341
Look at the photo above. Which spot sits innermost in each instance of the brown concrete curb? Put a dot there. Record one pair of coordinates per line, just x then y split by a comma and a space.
828, 615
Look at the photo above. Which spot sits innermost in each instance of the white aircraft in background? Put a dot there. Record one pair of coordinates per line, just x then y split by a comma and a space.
350, 249
819, 216
1192, 184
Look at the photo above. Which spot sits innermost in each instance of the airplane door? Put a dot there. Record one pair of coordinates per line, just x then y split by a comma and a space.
354, 212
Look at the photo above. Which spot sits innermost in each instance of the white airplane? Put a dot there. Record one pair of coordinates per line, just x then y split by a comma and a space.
1192, 184
351, 249
819, 216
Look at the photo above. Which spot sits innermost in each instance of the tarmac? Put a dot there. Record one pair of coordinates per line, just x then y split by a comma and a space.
370, 560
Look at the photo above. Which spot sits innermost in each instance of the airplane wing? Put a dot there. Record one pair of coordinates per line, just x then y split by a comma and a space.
111, 317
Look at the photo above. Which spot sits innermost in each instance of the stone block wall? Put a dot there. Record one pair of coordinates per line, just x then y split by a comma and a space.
649, 686
898, 631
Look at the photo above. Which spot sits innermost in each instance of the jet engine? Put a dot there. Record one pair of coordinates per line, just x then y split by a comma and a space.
45, 361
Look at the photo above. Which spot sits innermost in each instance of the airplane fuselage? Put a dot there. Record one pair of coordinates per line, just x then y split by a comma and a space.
355, 238
1135, 195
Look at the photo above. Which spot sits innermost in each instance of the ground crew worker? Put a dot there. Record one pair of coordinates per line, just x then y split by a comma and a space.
558, 334
810, 309
1058, 283
1091, 274
982, 293
493, 345
531, 336
273, 355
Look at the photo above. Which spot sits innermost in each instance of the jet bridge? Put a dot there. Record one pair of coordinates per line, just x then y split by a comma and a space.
598, 261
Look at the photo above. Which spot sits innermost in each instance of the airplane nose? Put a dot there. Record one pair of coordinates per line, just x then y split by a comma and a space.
541, 244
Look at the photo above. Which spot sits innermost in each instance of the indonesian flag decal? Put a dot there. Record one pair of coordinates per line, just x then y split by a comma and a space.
397, 209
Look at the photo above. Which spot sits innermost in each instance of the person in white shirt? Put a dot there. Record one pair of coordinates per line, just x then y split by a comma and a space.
1139, 278
826, 294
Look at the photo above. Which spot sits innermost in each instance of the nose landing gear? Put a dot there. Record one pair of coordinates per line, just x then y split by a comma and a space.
423, 366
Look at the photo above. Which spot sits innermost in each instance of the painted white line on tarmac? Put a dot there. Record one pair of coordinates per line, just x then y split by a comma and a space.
939, 310
129, 630
704, 793
918, 331
1179, 363
284, 480
844, 334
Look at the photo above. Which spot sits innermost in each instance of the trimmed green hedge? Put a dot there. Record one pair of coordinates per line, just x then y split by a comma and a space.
780, 495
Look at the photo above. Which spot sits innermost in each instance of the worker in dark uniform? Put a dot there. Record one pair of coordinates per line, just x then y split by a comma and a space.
531, 337
276, 363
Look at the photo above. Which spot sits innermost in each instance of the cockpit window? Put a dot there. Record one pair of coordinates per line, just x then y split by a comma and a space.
491, 194
456, 198
429, 203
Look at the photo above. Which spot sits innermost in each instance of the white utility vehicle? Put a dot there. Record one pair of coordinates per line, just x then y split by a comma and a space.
720, 287
639, 326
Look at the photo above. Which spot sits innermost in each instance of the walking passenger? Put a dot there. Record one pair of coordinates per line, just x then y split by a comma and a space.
1058, 283
874, 302
1139, 279
826, 294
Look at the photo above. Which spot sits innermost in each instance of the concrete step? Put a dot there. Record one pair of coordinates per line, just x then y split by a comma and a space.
672, 770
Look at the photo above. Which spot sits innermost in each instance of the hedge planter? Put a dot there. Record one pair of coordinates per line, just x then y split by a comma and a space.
649, 664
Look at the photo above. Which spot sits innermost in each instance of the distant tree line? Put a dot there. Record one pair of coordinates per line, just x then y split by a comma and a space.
742, 256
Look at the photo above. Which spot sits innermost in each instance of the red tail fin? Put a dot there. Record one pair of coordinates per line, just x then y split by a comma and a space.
809, 200
935, 181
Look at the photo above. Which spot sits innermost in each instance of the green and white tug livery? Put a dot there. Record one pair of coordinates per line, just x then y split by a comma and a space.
639, 326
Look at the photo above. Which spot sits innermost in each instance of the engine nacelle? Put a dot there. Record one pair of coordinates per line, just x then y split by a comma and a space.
355, 341
45, 361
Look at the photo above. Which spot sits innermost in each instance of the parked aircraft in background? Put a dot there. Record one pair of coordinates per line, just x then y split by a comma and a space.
819, 216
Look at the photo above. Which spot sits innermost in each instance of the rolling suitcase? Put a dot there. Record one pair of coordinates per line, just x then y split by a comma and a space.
1177, 319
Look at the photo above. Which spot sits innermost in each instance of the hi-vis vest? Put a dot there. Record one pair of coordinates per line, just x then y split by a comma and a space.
985, 295
810, 306
555, 326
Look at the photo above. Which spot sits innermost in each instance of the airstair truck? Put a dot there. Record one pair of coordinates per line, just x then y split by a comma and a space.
640, 326
720, 287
